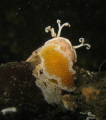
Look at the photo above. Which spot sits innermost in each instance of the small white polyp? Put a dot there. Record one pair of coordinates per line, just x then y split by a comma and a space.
7, 110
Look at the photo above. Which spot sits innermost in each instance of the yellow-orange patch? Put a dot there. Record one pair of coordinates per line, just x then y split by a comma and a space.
57, 66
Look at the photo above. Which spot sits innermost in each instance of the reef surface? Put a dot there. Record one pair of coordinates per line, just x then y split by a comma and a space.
18, 90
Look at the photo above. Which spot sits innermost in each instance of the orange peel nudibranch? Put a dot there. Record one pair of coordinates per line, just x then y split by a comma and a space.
58, 66
58, 56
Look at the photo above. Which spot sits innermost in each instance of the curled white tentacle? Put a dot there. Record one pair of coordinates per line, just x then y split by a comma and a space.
53, 34
47, 29
61, 26
82, 44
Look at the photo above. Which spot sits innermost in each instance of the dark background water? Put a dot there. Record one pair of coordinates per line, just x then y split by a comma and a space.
22, 25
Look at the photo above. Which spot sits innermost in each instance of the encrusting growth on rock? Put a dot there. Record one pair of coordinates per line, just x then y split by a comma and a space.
90, 92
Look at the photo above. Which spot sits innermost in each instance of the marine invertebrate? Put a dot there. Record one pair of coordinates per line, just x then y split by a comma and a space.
7, 110
89, 115
60, 68
58, 56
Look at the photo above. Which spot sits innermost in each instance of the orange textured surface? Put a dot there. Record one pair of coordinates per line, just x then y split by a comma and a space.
55, 62
90, 92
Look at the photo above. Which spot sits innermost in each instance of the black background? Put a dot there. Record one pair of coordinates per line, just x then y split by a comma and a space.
22, 25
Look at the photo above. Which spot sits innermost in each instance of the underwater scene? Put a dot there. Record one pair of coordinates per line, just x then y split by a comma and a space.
52, 60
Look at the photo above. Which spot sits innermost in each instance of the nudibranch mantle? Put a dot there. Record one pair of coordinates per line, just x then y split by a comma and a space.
60, 68
58, 56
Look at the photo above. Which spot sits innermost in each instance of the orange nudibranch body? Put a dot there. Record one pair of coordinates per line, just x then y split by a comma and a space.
58, 66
